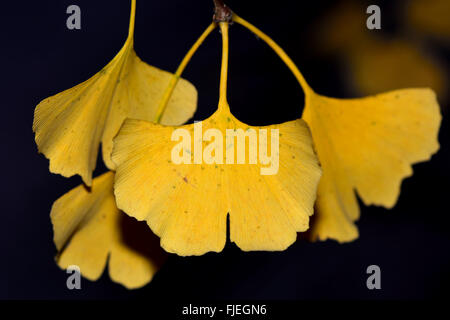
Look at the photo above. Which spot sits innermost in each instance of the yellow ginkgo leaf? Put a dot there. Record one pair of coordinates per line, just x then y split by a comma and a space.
267, 186
367, 145
70, 125
89, 229
187, 204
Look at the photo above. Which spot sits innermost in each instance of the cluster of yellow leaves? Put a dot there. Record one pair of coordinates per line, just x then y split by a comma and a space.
69, 128
363, 145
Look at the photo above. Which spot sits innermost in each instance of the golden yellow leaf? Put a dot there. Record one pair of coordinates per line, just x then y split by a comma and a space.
187, 204
70, 125
89, 230
186, 190
367, 145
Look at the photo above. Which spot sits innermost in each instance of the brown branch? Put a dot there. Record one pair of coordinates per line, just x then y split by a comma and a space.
221, 12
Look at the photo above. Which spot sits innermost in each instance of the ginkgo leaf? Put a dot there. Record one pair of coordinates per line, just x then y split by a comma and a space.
89, 230
70, 125
186, 190
367, 145
187, 204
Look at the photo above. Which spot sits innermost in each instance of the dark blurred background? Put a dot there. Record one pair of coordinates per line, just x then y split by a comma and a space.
41, 57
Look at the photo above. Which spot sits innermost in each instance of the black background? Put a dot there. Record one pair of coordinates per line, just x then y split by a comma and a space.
40, 57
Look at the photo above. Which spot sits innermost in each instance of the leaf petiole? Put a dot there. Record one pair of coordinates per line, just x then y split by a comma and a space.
224, 68
173, 82
279, 51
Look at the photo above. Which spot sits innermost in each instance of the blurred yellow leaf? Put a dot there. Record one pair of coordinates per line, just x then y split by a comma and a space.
377, 62
430, 17
89, 230
382, 65
341, 28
